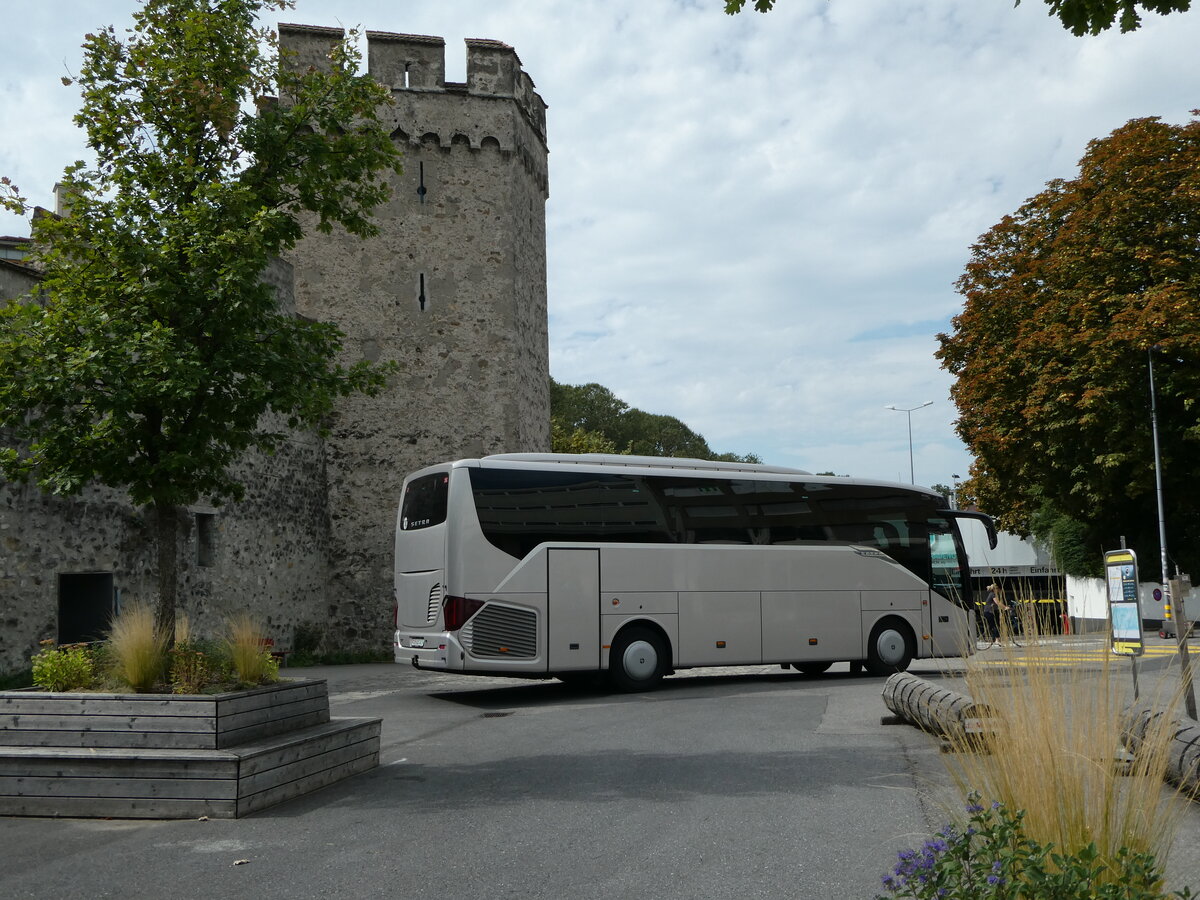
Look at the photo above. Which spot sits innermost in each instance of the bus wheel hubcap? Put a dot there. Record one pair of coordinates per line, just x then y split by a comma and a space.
640, 660
890, 646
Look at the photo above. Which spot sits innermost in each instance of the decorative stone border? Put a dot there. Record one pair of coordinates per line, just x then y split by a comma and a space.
167, 756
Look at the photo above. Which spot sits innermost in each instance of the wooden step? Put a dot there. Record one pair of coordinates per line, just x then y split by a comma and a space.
177, 783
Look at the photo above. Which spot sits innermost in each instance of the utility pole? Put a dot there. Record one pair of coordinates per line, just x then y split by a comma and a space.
1182, 625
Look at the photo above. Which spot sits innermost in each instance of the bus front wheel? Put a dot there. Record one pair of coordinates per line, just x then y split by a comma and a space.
890, 648
637, 660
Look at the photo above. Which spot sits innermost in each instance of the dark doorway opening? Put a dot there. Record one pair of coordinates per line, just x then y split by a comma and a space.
85, 607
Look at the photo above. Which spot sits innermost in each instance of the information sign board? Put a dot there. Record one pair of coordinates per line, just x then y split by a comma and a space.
1125, 612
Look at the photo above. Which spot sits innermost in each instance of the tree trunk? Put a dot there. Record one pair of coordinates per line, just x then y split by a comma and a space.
167, 527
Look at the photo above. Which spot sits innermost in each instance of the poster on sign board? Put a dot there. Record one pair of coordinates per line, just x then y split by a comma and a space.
1125, 612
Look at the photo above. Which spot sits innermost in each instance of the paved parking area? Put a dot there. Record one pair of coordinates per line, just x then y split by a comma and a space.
740, 782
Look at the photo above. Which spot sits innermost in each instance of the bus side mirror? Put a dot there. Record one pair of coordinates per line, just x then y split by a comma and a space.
988, 523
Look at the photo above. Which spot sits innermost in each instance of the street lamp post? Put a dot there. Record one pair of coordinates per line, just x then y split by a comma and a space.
909, 411
1175, 605
1158, 486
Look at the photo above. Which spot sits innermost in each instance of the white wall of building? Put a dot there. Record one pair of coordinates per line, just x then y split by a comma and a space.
1013, 557
1087, 598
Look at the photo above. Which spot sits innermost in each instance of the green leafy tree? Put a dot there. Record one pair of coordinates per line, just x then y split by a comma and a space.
1080, 17
156, 356
651, 434
1066, 300
1067, 539
577, 440
589, 410
591, 407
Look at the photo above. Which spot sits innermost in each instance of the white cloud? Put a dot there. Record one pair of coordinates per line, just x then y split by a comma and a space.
756, 221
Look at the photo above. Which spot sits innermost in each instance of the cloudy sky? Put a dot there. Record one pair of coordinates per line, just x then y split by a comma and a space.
755, 222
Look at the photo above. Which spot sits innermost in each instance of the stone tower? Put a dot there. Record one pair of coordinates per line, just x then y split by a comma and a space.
453, 289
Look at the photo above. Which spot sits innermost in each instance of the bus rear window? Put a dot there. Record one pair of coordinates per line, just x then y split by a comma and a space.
424, 503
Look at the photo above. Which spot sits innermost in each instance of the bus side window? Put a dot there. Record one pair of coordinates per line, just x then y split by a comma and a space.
886, 535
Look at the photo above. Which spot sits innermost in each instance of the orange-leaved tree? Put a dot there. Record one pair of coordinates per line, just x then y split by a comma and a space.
1068, 301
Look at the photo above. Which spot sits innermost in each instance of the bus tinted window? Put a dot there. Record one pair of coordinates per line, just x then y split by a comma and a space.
519, 509
424, 503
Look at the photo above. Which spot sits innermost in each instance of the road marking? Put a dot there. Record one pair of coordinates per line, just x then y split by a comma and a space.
1037, 654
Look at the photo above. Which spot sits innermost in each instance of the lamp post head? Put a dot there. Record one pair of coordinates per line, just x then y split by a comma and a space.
908, 409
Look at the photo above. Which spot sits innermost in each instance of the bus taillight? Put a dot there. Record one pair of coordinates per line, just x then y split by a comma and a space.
456, 611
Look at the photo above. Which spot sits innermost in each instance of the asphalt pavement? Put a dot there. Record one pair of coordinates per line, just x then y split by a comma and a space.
737, 782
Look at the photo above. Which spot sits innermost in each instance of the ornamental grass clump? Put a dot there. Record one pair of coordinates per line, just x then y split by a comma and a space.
138, 650
1055, 749
66, 668
183, 628
249, 656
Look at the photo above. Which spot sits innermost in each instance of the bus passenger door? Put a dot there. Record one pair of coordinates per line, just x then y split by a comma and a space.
951, 622
572, 609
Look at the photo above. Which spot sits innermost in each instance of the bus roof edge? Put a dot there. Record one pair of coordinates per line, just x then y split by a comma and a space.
651, 462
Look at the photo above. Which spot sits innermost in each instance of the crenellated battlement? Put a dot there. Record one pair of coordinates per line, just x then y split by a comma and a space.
417, 63
407, 62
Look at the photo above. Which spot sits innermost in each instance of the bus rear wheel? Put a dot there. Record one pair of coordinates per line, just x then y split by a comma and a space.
890, 648
811, 668
637, 660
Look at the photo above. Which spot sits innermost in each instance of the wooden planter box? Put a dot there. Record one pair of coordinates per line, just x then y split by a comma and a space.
160, 721
168, 756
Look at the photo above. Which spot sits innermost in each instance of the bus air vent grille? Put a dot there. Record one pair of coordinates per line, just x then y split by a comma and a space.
502, 632
435, 604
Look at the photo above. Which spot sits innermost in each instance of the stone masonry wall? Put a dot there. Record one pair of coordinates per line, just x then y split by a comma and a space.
268, 553
453, 290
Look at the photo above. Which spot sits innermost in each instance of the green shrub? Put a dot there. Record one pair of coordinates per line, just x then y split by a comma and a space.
66, 668
138, 649
191, 670
992, 857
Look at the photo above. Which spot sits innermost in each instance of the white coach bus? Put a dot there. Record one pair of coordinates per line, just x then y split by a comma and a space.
540, 565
